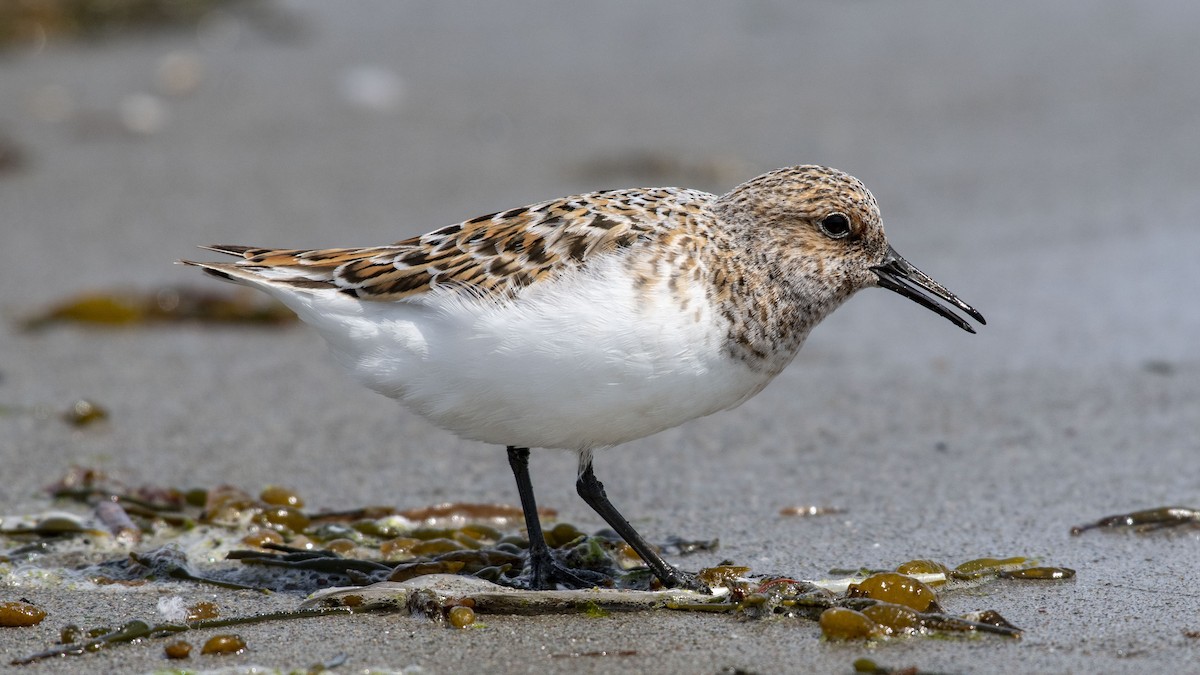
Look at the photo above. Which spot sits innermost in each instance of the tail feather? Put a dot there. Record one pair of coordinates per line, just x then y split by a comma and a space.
251, 275
227, 271
231, 249
307, 269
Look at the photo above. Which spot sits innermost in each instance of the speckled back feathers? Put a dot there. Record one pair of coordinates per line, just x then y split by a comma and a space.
492, 256
755, 254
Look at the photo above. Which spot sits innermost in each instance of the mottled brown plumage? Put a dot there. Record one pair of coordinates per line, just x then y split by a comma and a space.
493, 256
597, 319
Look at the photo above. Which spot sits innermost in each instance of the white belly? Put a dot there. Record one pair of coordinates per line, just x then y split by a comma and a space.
579, 362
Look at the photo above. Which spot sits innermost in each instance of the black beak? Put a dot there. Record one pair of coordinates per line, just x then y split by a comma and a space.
896, 274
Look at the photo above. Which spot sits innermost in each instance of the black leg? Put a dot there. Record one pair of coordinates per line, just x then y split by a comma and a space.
544, 573
592, 492
539, 553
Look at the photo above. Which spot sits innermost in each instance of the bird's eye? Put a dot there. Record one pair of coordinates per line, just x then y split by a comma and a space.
835, 225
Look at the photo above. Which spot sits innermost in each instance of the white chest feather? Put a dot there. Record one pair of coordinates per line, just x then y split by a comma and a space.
579, 362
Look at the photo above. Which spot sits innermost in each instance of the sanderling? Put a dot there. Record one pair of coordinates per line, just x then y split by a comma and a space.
588, 321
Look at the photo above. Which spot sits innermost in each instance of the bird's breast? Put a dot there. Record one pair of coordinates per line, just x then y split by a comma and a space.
594, 358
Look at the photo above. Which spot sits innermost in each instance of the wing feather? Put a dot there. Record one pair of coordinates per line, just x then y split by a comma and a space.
493, 256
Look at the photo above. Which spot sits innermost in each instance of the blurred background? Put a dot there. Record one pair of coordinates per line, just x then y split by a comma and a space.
1040, 159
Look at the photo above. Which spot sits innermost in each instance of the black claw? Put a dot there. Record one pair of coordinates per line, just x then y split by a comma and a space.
548, 575
689, 581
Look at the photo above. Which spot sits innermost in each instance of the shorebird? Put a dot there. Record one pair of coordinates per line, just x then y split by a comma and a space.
585, 322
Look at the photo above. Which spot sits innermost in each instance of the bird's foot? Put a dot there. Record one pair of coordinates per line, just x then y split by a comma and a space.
677, 578
549, 575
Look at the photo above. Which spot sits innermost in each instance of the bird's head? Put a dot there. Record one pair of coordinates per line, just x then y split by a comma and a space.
824, 227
